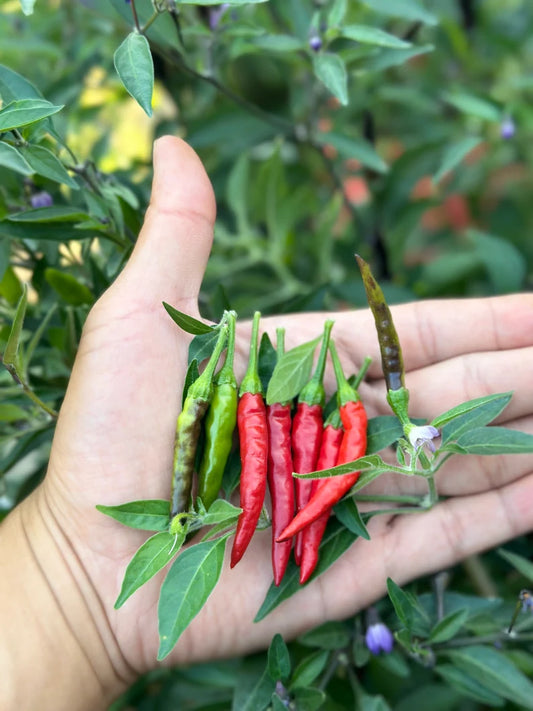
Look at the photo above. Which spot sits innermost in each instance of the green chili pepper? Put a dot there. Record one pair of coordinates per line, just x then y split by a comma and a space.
188, 428
389, 344
220, 424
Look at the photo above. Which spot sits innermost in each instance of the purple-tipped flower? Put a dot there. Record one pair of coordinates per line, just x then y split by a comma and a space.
42, 199
507, 128
379, 638
421, 436
315, 42
215, 15
526, 598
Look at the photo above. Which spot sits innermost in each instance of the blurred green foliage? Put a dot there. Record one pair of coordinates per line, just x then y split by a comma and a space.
395, 128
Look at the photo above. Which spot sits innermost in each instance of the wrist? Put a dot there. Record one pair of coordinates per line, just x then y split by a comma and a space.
56, 648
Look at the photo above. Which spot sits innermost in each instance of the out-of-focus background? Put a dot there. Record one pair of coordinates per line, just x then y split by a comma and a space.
399, 129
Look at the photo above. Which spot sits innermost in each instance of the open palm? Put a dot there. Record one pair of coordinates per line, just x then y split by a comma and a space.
115, 435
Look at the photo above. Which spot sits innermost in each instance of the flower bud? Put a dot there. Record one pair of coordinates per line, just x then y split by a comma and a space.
41, 199
379, 638
315, 43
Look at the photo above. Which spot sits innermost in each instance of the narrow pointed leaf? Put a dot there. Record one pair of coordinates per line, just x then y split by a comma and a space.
187, 323
11, 355
291, 373
147, 515
523, 565
496, 440
479, 416
151, 557
454, 154
44, 162
372, 35
348, 514
135, 67
190, 581
448, 627
331, 71
465, 407
279, 661
12, 158
24, 112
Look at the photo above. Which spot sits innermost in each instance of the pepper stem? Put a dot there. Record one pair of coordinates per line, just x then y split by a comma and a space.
280, 342
226, 374
365, 365
313, 393
201, 388
345, 392
251, 382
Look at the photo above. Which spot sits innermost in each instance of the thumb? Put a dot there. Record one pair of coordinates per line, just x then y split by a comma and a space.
170, 256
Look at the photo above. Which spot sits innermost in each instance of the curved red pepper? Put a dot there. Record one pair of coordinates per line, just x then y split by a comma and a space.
312, 534
353, 446
253, 438
280, 482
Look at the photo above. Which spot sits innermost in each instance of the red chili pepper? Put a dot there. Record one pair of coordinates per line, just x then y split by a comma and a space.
353, 446
280, 479
307, 431
253, 437
328, 457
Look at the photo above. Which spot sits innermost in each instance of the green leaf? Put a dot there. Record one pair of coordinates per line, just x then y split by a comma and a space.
521, 564
27, 6
404, 9
309, 668
495, 440
348, 514
279, 661
382, 431
404, 603
486, 411
331, 71
147, 515
358, 148
335, 542
370, 463
43, 162
217, 2
13, 86
151, 557
468, 406
337, 12
331, 635
278, 43
266, 360
387, 58
202, 345
505, 265
185, 590
57, 213
11, 357
24, 112
253, 691
495, 672
309, 698
187, 323
473, 106
11, 158
465, 684
68, 287
372, 35
373, 703
221, 511
454, 154
291, 373
191, 375
135, 67
11, 413
448, 627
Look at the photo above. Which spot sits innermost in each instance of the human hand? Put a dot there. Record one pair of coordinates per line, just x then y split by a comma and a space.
115, 435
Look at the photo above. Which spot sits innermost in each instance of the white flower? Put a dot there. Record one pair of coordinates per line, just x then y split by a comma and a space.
422, 435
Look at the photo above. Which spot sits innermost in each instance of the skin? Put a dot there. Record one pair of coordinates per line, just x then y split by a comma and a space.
62, 561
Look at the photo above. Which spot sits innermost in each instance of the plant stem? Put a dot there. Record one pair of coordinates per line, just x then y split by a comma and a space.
390, 499
433, 494
479, 576
29, 392
135, 16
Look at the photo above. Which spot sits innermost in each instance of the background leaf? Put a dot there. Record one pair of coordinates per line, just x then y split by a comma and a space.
135, 67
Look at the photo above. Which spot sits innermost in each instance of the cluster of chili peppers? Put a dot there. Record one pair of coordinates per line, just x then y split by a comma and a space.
273, 444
